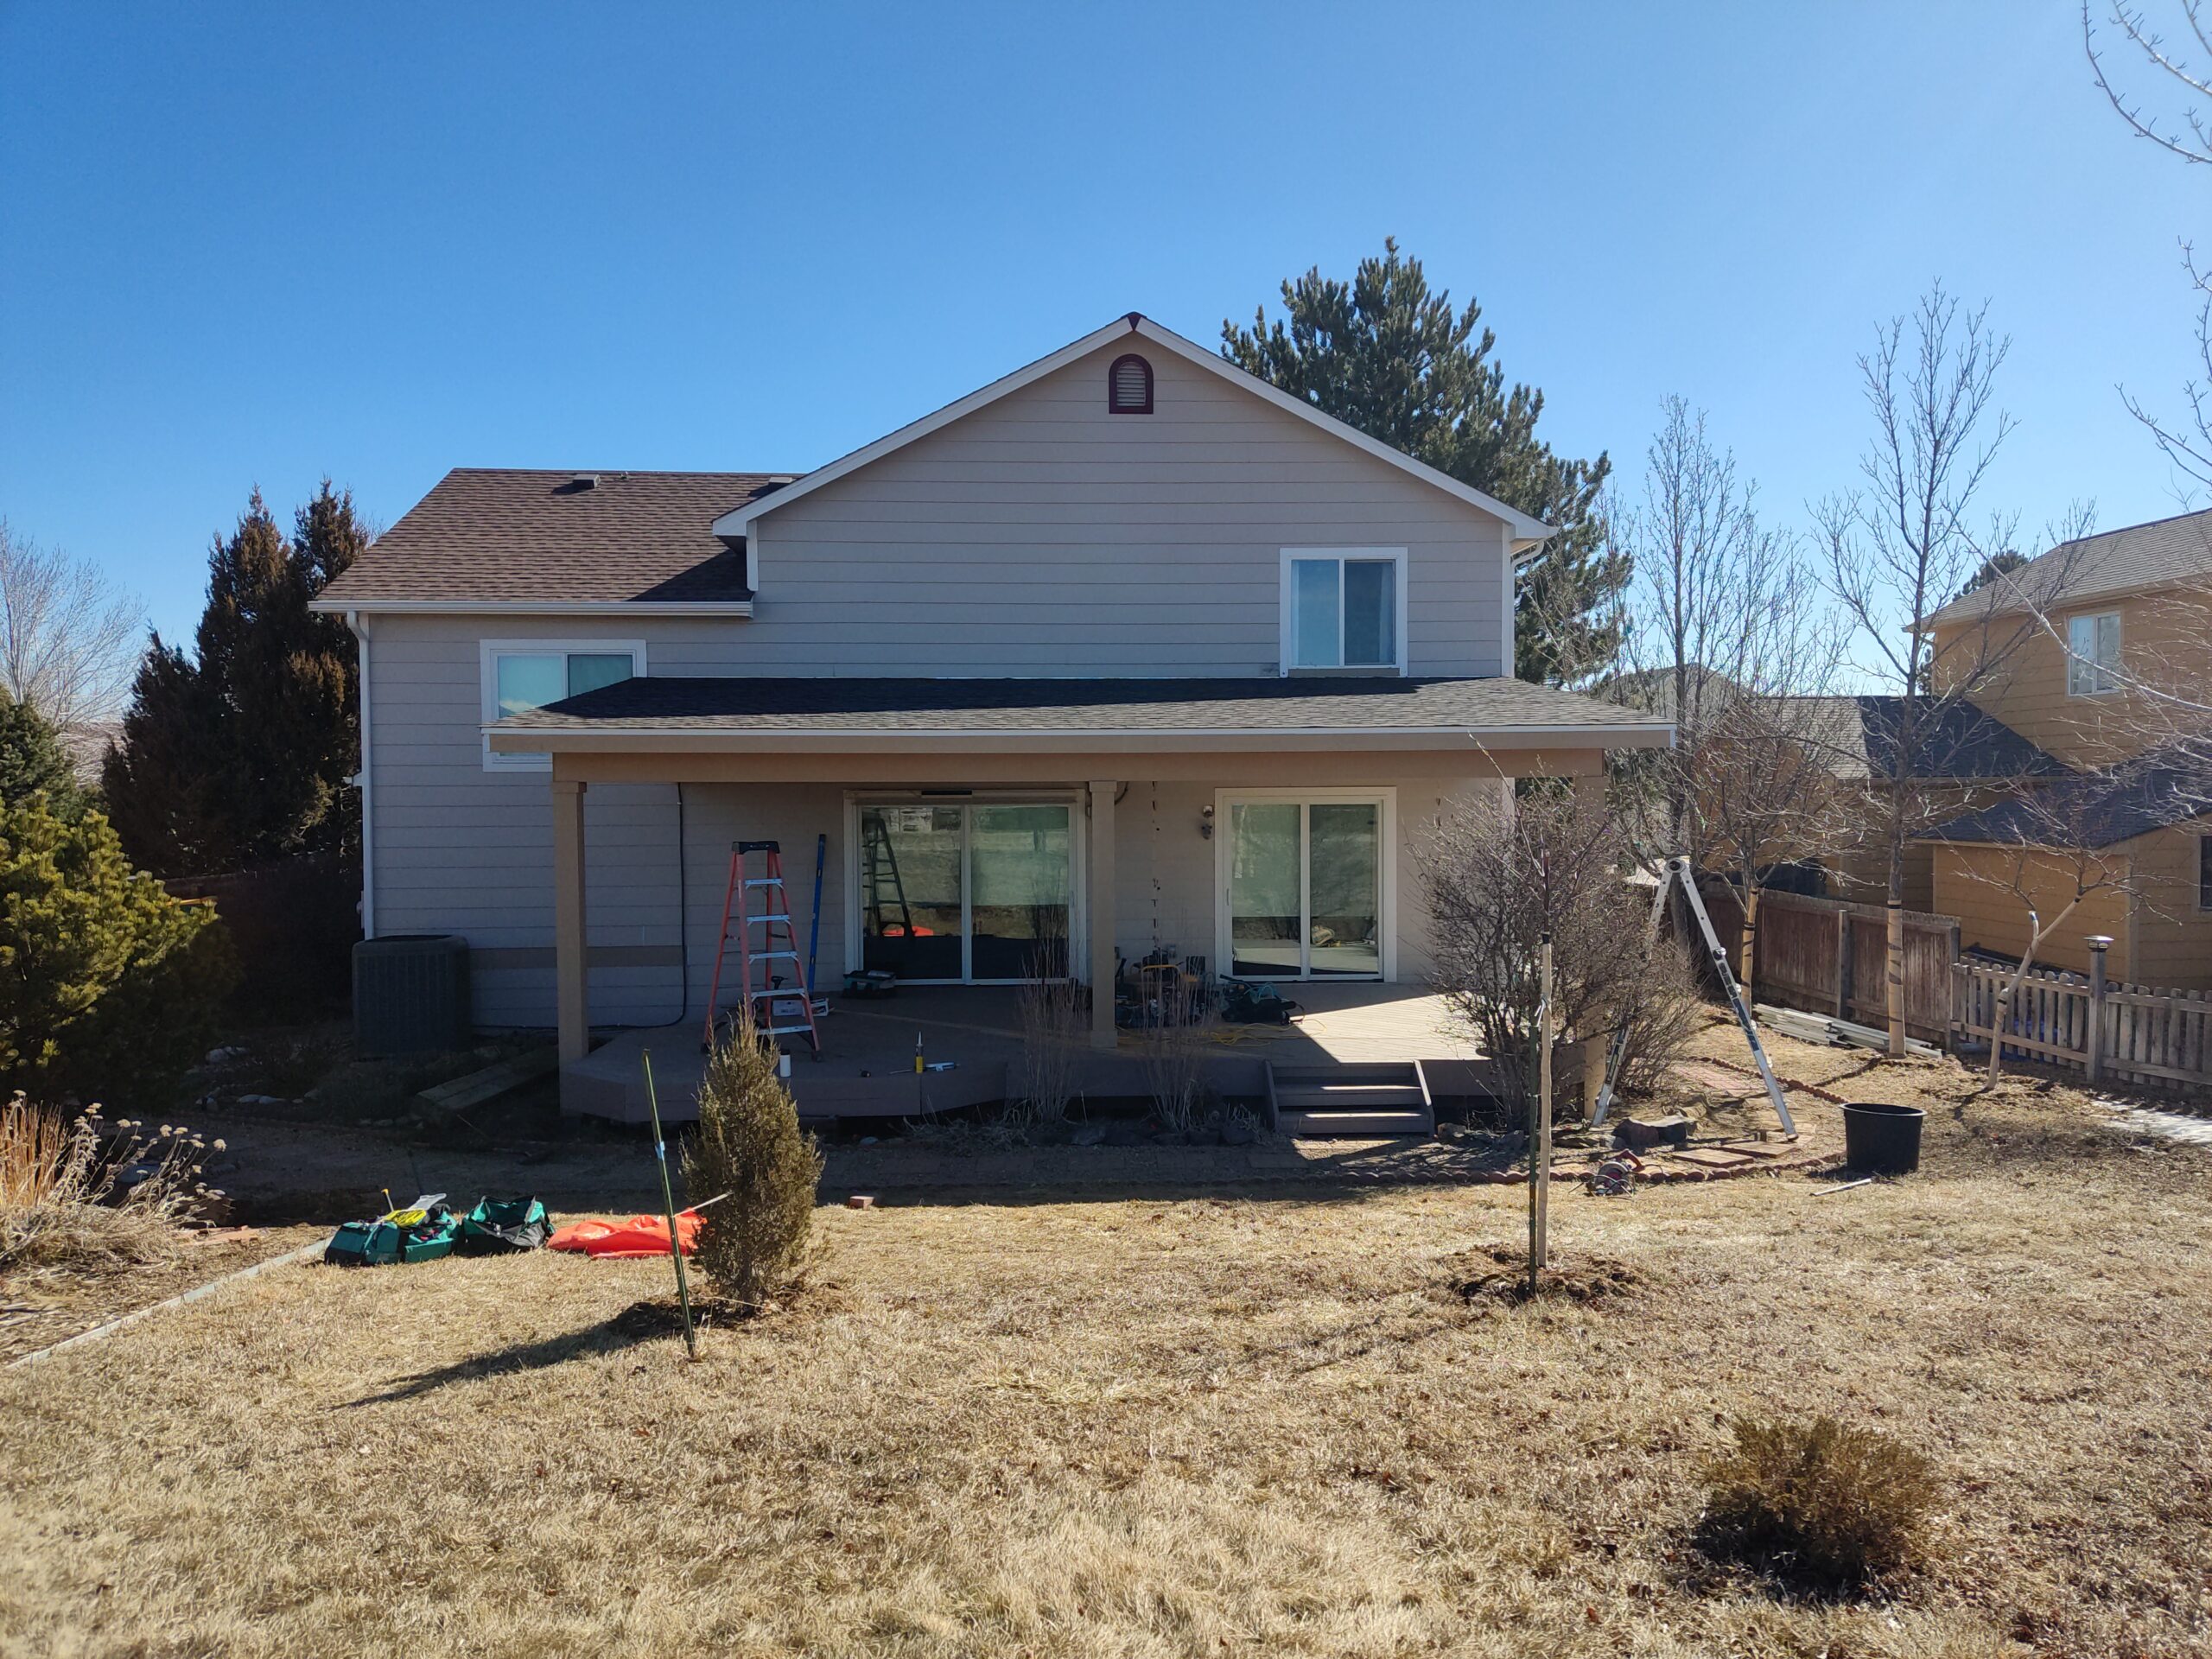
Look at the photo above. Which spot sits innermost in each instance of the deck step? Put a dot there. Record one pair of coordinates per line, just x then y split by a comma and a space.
1371, 1097
1312, 1124
1308, 1097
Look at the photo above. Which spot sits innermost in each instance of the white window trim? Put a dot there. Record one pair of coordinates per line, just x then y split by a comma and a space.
489, 652
1078, 865
2090, 665
1384, 798
1285, 608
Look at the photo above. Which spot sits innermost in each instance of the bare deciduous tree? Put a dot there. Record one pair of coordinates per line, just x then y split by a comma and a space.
1726, 641
2169, 115
1900, 547
1504, 874
68, 638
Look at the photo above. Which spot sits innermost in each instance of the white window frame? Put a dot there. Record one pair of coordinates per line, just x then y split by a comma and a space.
1078, 865
2083, 673
488, 654
1286, 607
1385, 799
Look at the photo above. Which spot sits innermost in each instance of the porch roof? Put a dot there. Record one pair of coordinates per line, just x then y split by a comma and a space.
824, 713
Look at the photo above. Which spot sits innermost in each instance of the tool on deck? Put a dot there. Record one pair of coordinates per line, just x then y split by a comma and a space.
774, 1007
1678, 871
814, 932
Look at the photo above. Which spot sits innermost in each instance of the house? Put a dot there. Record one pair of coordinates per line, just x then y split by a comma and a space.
1831, 825
2100, 650
1127, 651
1966, 757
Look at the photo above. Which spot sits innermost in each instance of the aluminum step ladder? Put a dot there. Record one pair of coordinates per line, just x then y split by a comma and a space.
778, 999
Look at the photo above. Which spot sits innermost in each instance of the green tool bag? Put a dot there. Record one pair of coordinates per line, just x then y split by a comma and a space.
499, 1226
424, 1232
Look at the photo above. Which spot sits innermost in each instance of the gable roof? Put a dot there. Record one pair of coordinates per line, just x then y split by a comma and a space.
1528, 532
2162, 552
1857, 737
2097, 809
487, 537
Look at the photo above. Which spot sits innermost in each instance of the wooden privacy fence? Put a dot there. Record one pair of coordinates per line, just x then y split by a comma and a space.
1830, 957
2107, 1029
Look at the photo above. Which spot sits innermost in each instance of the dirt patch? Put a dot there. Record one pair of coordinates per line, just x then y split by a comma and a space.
662, 1316
1499, 1273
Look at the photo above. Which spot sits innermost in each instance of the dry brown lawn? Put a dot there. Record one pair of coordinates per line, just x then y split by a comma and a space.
1244, 1424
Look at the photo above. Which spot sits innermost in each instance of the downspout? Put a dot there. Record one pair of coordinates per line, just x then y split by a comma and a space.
360, 625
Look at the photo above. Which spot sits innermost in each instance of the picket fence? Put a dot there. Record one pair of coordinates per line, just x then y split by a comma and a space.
2107, 1029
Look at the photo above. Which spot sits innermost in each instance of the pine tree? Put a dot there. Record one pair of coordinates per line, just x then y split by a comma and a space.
1385, 354
33, 761
165, 778
239, 754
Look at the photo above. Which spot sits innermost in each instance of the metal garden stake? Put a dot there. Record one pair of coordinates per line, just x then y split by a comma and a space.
667, 1203
1540, 1124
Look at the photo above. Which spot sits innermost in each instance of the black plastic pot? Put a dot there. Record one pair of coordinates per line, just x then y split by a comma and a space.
1879, 1139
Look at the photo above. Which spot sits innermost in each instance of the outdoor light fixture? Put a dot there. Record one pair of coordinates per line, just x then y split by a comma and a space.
1205, 823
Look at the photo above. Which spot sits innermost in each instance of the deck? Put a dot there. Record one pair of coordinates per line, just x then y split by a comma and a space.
867, 1069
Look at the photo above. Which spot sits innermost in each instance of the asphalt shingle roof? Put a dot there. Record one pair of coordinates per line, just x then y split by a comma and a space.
1857, 737
2140, 555
492, 534
2092, 810
1072, 706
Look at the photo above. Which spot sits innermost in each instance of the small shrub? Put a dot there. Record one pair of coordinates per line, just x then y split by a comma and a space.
1664, 1012
748, 1144
70, 1198
1819, 1499
108, 987
1054, 1024
1174, 1045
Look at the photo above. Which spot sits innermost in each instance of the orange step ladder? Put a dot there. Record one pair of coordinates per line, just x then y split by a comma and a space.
765, 997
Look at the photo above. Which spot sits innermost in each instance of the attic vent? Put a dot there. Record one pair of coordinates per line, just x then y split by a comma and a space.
584, 481
1128, 386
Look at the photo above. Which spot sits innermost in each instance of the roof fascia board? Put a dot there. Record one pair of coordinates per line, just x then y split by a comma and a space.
519, 739
533, 606
2060, 604
1528, 533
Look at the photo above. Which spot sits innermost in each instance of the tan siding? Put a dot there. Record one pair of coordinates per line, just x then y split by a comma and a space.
2165, 640
1974, 885
2173, 936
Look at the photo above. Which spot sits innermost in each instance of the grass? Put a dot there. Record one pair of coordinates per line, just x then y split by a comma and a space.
1275, 1422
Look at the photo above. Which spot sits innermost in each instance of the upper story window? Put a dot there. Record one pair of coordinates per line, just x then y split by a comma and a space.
1344, 609
520, 674
1129, 386
2093, 654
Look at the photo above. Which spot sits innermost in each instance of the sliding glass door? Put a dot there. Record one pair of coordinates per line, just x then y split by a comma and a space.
976, 893
1302, 884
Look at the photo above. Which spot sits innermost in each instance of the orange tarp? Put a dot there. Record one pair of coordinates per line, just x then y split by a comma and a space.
639, 1235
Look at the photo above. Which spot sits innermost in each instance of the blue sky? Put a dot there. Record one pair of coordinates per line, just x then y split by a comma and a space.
255, 244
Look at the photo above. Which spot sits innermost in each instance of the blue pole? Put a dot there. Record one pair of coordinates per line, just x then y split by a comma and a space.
814, 932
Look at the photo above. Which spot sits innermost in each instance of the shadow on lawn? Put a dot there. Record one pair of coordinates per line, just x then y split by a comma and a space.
633, 1325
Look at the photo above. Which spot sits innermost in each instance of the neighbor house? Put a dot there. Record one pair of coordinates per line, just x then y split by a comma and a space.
1127, 652
2099, 653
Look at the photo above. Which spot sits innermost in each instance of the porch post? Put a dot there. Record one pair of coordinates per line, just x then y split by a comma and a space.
1102, 914
571, 995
